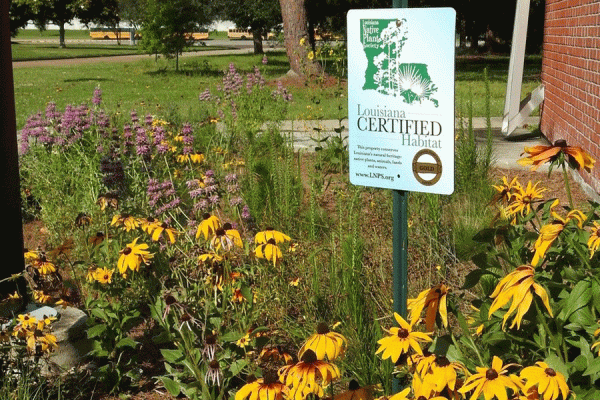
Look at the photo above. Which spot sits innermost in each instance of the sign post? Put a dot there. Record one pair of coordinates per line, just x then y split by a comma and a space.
401, 112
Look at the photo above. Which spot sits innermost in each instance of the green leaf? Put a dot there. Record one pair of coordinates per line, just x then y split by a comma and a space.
232, 336
126, 342
172, 356
579, 297
237, 366
172, 387
96, 331
99, 313
593, 368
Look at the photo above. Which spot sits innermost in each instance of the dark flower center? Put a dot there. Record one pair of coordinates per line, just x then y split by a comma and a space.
269, 228
560, 143
270, 377
353, 385
220, 232
186, 317
214, 364
205, 216
491, 374
127, 250
170, 300
211, 339
227, 226
403, 333
550, 372
421, 398
322, 328
309, 357
271, 241
106, 277
164, 225
442, 361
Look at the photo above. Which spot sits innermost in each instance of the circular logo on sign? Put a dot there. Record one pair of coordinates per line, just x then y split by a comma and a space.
425, 164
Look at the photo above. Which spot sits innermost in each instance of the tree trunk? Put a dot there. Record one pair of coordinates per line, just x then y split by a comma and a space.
293, 13
61, 35
257, 40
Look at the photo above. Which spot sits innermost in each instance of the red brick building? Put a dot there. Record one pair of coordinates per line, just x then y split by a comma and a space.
571, 77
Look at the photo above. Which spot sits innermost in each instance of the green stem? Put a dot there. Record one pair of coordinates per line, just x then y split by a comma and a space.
567, 187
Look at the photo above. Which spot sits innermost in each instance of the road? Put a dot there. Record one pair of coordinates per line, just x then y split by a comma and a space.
233, 47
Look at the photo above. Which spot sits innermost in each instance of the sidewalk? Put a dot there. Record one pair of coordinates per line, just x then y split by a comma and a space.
506, 150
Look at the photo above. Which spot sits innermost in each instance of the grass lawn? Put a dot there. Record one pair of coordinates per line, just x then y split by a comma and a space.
155, 87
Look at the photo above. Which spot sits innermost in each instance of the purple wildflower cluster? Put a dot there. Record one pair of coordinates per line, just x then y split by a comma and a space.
97, 99
205, 192
56, 128
162, 196
232, 86
281, 93
187, 138
254, 79
232, 82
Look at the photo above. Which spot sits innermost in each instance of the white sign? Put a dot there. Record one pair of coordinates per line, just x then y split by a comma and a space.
401, 98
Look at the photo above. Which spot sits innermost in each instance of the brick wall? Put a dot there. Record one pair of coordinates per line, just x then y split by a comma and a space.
571, 77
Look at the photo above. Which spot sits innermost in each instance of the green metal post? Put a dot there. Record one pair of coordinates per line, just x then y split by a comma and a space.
400, 242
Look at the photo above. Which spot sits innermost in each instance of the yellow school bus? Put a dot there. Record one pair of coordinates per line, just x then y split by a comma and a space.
242, 34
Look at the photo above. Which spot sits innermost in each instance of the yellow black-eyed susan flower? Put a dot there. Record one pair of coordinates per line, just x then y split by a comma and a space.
505, 190
149, 224
401, 340
551, 231
538, 155
208, 226
41, 297
433, 300
308, 376
107, 200
445, 373
268, 234
518, 288
523, 199
126, 221
491, 382
326, 344
549, 383
164, 230
269, 251
103, 275
594, 240
265, 388
132, 256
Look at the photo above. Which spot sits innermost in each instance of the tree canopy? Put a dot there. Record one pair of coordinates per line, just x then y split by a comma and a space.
167, 25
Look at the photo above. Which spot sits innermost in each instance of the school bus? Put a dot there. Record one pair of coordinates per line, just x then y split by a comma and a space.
124, 34
243, 34
111, 33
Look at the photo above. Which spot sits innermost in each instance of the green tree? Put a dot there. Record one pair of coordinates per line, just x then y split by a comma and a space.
20, 13
58, 12
168, 24
259, 16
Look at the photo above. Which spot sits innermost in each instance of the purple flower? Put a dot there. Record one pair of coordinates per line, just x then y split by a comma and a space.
97, 99
205, 96
246, 213
264, 60
236, 201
